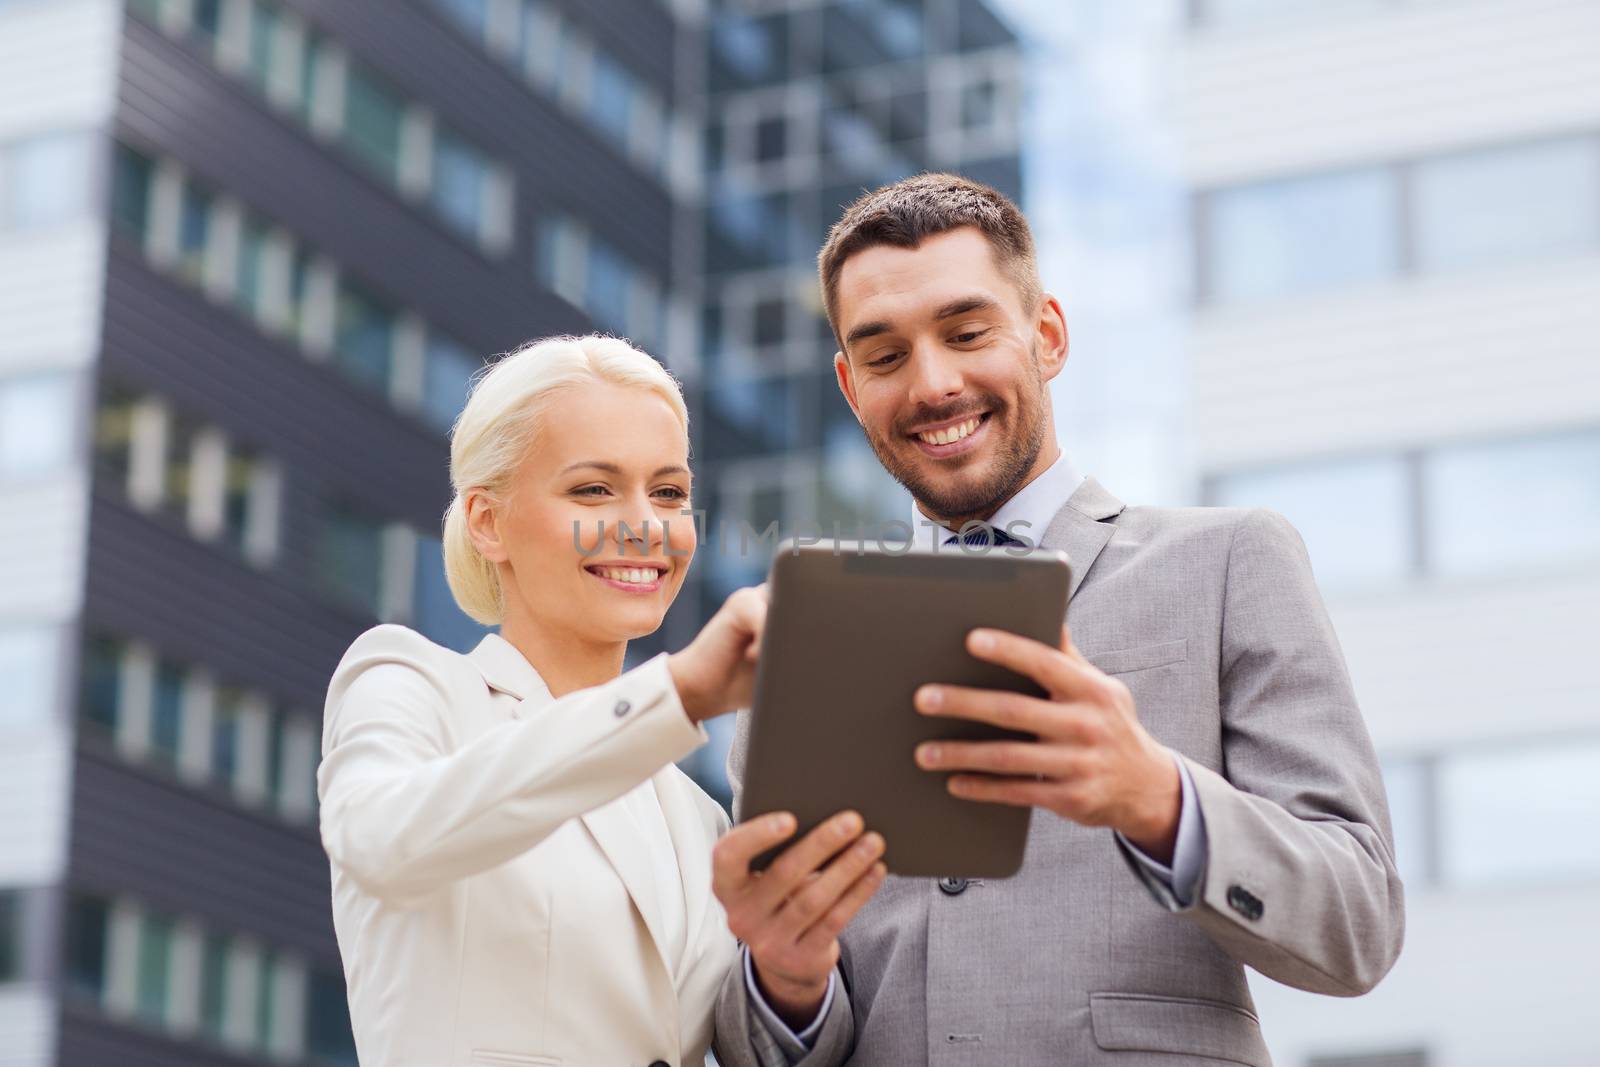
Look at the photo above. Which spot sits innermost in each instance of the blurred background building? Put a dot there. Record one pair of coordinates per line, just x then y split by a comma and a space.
1335, 257
1397, 258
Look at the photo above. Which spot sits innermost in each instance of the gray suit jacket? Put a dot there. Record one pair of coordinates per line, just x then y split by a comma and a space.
1212, 619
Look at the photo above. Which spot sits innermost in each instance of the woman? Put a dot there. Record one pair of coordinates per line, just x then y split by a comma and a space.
520, 874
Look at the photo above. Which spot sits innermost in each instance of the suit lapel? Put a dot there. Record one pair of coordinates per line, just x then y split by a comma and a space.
618, 836
1080, 528
687, 827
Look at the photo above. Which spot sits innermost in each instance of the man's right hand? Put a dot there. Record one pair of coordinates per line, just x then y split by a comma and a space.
791, 914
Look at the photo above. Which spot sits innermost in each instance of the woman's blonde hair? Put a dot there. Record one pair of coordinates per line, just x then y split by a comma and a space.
494, 431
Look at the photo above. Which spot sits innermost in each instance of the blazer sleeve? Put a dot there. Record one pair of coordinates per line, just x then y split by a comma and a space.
1300, 879
406, 811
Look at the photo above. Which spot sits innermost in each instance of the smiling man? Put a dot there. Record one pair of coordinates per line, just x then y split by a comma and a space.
1210, 797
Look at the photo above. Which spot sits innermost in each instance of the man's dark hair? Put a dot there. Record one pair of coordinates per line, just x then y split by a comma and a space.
914, 209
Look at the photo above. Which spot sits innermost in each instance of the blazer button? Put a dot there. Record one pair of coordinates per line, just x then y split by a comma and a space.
953, 886
622, 708
1245, 902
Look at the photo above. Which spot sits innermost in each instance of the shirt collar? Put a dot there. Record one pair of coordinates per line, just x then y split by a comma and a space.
1031, 508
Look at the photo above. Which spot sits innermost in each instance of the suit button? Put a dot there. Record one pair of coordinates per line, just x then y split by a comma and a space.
1245, 902
952, 885
622, 708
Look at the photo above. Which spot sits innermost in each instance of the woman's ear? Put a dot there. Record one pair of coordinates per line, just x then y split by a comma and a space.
483, 525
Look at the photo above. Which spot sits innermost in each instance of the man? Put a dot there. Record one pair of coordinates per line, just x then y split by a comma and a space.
1209, 795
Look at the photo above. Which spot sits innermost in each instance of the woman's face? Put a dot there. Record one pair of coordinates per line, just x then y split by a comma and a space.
595, 537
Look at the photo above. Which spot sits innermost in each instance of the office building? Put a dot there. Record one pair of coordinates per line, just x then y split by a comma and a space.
1397, 247
810, 103
250, 253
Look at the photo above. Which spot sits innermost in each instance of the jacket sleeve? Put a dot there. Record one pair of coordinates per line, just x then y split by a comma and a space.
1300, 879
406, 811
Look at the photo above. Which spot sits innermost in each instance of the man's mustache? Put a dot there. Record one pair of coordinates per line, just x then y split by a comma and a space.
925, 415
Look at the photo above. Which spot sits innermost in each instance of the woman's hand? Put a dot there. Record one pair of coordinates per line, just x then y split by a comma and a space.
716, 673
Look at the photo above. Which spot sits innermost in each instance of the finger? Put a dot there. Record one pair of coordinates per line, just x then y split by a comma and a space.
993, 757
1053, 669
1068, 647
1020, 792
732, 854
804, 857
1014, 711
817, 898
831, 925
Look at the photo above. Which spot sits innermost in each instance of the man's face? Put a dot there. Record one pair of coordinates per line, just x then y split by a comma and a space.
947, 370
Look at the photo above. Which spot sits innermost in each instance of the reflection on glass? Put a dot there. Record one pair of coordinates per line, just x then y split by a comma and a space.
1520, 815
1354, 515
1300, 234
1508, 203
1557, 485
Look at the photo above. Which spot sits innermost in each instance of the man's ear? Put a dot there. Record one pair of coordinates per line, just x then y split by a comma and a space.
483, 525
847, 383
1051, 331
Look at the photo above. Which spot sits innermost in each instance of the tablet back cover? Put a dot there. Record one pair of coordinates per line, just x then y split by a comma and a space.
848, 639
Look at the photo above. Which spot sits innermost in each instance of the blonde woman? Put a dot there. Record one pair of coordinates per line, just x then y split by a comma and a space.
520, 874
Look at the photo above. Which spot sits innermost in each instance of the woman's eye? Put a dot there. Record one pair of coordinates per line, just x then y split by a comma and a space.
590, 490
673, 493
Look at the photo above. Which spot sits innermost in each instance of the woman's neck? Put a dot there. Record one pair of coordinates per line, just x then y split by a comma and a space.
566, 663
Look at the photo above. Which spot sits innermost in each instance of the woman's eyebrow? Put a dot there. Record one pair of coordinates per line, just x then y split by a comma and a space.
612, 468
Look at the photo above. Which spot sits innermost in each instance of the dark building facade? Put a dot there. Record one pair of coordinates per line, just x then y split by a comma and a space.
251, 254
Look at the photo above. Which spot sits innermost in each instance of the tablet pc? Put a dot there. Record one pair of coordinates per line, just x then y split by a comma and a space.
851, 632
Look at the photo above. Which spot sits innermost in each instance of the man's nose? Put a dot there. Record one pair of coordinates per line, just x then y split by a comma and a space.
935, 377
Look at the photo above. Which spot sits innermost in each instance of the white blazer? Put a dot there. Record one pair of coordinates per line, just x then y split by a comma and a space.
492, 904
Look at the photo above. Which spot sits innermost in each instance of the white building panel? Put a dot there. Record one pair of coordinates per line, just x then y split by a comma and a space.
43, 531
1487, 979
27, 1027
51, 287
1267, 98
1442, 664
58, 65
1403, 364
34, 780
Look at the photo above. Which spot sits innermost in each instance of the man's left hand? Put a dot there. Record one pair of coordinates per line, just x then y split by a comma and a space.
1093, 762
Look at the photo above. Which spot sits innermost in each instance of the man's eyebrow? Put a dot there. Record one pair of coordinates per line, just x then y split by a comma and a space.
612, 468
965, 306
866, 330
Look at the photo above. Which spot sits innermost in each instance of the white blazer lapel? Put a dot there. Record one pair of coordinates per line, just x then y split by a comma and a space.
618, 837
686, 824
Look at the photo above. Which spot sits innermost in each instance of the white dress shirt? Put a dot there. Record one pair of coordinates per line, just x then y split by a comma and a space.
1025, 517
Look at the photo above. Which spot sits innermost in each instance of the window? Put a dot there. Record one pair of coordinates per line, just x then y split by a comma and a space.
1558, 488
1300, 234
437, 615
29, 660
373, 117
227, 727
194, 227
10, 935
471, 15
154, 975
447, 377
1518, 815
37, 419
611, 97
364, 338
101, 680
1228, 12
254, 269
265, 44
166, 713
1410, 788
131, 180
1354, 515
48, 180
1507, 204
214, 954
85, 964
349, 557
328, 1036
461, 178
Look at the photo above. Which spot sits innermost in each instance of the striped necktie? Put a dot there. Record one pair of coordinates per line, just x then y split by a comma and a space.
982, 535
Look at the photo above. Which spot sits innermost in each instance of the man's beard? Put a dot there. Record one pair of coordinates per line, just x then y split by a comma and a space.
1008, 468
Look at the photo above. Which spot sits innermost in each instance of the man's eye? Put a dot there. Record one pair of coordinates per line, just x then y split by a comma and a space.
969, 337
883, 361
